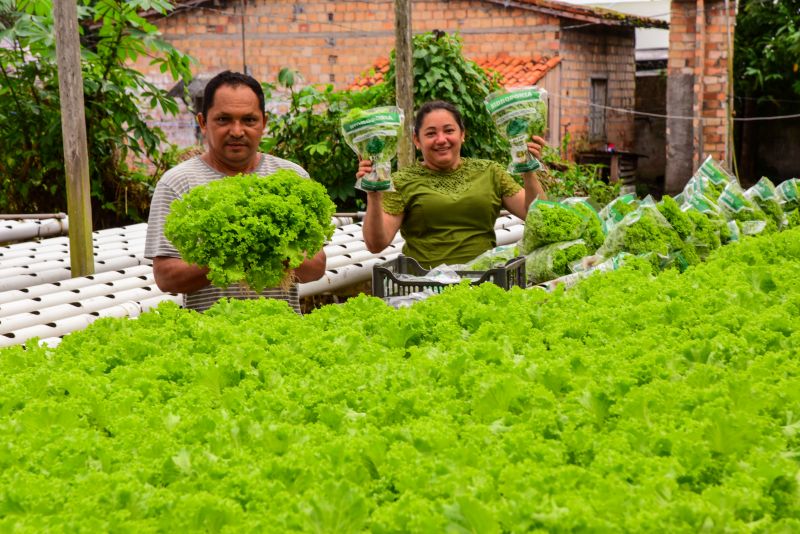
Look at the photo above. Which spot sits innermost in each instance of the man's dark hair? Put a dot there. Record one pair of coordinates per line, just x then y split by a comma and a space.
433, 105
233, 79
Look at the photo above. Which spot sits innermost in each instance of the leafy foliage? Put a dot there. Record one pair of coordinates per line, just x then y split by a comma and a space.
568, 179
31, 149
441, 72
630, 403
767, 50
309, 132
251, 228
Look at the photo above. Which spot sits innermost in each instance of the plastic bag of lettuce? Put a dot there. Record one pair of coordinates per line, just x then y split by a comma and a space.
519, 114
693, 227
710, 179
493, 258
750, 219
645, 232
550, 222
764, 195
553, 260
250, 228
709, 221
373, 135
593, 232
617, 209
788, 195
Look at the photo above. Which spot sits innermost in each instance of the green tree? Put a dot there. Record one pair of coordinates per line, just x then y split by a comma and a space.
309, 132
441, 72
766, 71
113, 36
767, 50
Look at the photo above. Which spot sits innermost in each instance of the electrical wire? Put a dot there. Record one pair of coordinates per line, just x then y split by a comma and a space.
676, 117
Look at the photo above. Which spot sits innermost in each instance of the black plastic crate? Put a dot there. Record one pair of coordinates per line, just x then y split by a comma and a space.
385, 282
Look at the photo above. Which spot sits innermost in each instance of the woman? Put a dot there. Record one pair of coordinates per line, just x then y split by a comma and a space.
445, 206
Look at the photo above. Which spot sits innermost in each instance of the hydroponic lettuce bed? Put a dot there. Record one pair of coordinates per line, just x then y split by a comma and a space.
628, 403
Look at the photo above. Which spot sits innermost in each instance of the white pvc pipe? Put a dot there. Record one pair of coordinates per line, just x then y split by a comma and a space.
32, 256
343, 237
346, 276
53, 245
341, 221
25, 230
73, 295
152, 302
62, 311
74, 283
119, 230
54, 275
59, 328
64, 326
360, 256
509, 236
354, 228
508, 221
355, 245
130, 309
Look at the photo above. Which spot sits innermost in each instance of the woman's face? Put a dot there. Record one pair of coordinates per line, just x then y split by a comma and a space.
440, 139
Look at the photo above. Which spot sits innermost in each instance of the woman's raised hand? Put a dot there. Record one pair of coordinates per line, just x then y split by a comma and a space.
364, 168
535, 146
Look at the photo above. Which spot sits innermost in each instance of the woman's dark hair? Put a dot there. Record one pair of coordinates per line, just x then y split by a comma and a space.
433, 105
234, 79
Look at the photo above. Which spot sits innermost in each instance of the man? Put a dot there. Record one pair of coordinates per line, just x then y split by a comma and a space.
232, 121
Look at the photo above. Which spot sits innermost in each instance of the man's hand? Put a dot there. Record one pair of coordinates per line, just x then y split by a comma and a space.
173, 275
311, 269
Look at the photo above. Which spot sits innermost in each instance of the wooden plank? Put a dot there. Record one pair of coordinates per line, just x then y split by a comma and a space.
404, 80
73, 129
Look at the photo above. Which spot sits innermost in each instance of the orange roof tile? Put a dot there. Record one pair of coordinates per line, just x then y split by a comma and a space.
513, 71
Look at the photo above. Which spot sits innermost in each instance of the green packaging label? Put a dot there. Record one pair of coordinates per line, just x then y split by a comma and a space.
732, 201
379, 119
493, 105
713, 172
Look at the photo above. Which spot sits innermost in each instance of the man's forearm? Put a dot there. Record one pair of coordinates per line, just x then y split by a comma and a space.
173, 275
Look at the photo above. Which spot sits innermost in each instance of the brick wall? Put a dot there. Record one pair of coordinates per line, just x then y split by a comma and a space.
603, 53
700, 31
336, 41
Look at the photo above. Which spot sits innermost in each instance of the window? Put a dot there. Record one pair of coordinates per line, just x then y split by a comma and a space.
597, 113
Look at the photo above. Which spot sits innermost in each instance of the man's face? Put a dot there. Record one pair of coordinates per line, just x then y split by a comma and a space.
233, 129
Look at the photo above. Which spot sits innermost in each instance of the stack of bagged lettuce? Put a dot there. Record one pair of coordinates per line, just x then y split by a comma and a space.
566, 240
557, 236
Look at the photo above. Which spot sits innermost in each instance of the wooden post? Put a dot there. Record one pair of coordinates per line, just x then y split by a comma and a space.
404, 80
73, 129
613, 174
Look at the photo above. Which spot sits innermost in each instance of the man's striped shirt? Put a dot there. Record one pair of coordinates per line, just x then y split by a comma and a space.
173, 185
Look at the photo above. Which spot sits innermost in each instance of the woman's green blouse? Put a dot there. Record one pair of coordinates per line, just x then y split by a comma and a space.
449, 217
